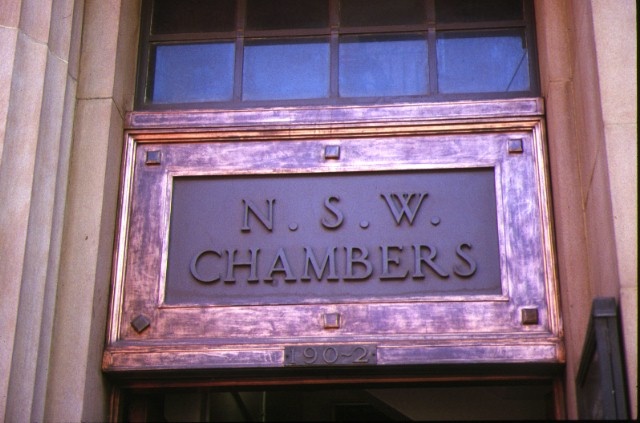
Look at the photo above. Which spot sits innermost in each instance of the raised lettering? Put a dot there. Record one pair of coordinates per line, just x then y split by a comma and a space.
266, 220
194, 267
329, 258
252, 264
360, 260
208, 265
338, 215
471, 263
404, 201
282, 267
386, 260
362, 358
429, 261
310, 355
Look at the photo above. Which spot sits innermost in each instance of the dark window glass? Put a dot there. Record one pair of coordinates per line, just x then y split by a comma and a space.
286, 69
482, 61
381, 12
187, 73
448, 11
287, 14
192, 16
383, 66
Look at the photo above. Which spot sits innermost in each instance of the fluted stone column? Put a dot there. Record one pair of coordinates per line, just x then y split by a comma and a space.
66, 80
37, 100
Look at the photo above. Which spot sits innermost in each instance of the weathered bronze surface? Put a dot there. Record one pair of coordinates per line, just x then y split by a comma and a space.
453, 161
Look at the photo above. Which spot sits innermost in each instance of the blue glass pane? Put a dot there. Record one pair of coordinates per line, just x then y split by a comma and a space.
286, 69
383, 66
187, 73
473, 62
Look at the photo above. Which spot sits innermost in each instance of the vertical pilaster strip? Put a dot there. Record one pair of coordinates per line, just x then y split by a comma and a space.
555, 48
9, 290
76, 387
17, 167
615, 35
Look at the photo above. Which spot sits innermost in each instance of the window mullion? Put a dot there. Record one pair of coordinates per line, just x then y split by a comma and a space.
530, 38
239, 53
145, 60
431, 40
334, 25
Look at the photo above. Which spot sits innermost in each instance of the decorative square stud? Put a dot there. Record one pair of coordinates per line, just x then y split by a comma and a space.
153, 157
515, 146
332, 152
529, 316
331, 320
140, 323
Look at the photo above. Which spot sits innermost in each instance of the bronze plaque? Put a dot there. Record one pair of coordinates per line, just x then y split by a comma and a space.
327, 238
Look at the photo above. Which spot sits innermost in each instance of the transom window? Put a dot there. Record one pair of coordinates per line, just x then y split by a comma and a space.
246, 53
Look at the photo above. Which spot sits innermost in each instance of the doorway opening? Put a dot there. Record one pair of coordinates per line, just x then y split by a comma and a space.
513, 400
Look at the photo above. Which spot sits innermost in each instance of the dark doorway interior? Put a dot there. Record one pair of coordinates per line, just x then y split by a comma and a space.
512, 401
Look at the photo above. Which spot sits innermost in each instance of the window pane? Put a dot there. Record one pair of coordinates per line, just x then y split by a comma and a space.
489, 61
373, 66
191, 16
287, 14
381, 12
193, 73
448, 11
286, 69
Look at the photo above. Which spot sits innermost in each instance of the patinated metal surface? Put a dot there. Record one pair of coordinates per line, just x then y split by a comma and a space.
334, 237
503, 152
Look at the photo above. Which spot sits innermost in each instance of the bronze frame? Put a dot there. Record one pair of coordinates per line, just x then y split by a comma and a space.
521, 327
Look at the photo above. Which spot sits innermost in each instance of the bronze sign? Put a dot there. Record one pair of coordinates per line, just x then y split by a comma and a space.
332, 237
340, 236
